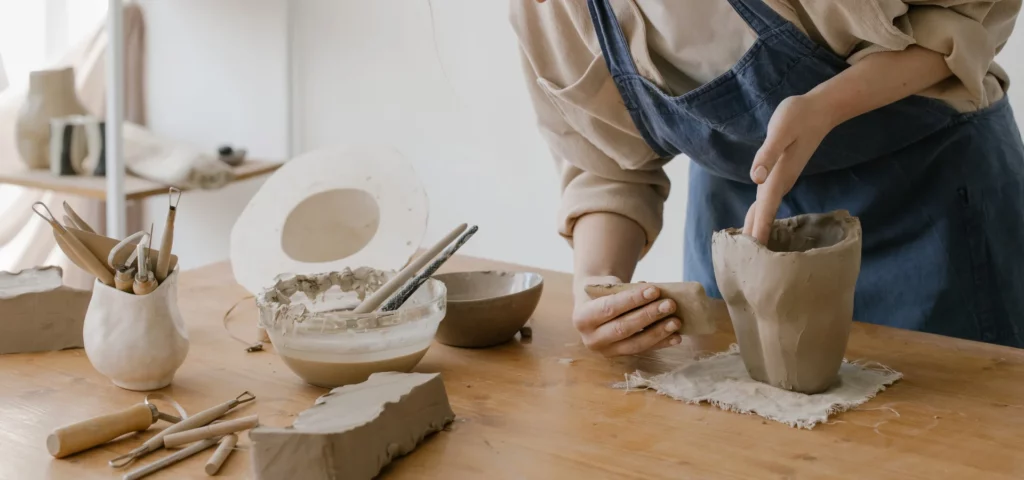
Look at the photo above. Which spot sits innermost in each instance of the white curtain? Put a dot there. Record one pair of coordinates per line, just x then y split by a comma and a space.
25, 240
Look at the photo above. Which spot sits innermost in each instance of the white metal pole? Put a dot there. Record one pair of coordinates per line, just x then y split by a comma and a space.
116, 205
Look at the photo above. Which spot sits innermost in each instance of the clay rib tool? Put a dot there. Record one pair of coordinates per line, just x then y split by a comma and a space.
77, 221
79, 253
198, 420
164, 260
227, 445
74, 438
144, 280
373, 301
171, 459
213, 430
399, 298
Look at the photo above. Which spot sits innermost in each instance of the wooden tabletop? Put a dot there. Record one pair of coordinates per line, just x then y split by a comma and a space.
96, 187
524, 414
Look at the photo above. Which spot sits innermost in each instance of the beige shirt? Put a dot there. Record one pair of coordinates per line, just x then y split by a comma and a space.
604, 164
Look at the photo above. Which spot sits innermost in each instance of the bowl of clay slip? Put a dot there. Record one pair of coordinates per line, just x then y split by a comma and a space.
791, 301
487, 308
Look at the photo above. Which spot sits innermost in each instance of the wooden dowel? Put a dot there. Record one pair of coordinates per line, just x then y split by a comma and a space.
227, 444
74, 438
214, 430
399, 298
171, 459
371, 303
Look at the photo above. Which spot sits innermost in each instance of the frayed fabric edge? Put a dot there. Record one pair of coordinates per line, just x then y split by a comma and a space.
638, 381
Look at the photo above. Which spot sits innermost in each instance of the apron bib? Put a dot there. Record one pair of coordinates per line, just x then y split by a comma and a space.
940, 194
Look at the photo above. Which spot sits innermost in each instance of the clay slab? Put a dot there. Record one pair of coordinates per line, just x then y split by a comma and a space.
38, 313
352, 432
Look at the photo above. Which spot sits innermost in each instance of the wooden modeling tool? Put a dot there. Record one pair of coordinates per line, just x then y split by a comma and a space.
399, 298
210, 431
227, 445
145, 282
74, 438
198, 420
76, 221
171, 459
75, 250
164, 259
373, 301
124, 273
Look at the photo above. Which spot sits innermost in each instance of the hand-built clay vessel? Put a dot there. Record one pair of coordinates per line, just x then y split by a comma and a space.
51, 94
137, 341
791, 302
487, 308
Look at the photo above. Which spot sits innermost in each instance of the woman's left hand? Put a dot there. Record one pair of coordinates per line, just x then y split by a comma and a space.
796, 129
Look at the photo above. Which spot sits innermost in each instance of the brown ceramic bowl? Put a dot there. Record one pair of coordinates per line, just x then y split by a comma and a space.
487, 308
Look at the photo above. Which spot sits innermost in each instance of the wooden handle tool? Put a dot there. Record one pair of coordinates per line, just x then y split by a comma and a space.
95, 431
124, 279
373, 301
213, 430
145, 282
79, 254
77, 221
399, 298
697, 311
171, 459
164, 259
198, 420
227, 445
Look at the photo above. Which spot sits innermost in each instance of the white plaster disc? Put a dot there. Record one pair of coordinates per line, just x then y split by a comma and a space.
327, 210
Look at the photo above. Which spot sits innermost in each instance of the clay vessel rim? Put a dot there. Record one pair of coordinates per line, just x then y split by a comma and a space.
850, 224
536, 282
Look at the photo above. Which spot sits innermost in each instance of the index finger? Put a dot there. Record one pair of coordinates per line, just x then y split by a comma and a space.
600, 310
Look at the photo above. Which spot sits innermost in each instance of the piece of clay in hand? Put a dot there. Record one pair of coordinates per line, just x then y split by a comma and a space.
693, 306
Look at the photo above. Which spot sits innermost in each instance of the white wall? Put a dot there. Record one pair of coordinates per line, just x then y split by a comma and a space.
369, 72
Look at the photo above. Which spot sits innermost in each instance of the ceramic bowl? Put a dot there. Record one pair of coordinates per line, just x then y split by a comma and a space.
487, 308
334, 347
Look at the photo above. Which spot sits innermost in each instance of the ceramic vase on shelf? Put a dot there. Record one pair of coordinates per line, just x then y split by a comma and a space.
51, 94
137, 341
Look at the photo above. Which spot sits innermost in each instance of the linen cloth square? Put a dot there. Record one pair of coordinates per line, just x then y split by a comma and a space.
722, 380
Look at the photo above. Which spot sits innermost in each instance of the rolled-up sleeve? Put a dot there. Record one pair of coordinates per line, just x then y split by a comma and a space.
602, 161
967, 33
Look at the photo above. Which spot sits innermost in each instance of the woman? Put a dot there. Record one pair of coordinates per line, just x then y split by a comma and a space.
890, 109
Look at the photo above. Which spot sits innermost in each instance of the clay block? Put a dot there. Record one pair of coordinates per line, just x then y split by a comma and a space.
38, 313
352, 432
791, 302
693, 305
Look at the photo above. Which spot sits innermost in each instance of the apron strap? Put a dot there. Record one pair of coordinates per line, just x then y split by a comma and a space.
612, 39
759, 16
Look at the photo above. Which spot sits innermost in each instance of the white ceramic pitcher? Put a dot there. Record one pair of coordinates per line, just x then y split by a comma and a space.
137, 341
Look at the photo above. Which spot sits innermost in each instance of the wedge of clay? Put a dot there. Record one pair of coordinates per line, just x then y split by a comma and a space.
352, 432
791, 302
693, 305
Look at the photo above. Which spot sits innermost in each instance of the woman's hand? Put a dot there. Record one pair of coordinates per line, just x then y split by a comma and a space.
796, 129
625, 323
800, 123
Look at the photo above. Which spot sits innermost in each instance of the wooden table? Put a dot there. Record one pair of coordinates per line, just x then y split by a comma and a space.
135, 188
523, 414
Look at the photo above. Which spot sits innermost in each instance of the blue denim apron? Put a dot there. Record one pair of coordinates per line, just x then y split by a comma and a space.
940, 194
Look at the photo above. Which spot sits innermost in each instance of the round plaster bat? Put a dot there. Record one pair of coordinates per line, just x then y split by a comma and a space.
327, 210
791, 302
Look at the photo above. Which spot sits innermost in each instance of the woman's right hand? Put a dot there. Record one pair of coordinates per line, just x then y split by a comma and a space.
625, 323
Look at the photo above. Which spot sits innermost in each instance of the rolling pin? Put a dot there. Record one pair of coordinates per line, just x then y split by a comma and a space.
227, 445
198, 420
215, 430
698, 312
95, 431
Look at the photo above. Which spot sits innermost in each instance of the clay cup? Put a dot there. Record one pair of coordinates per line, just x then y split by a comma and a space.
791, 301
